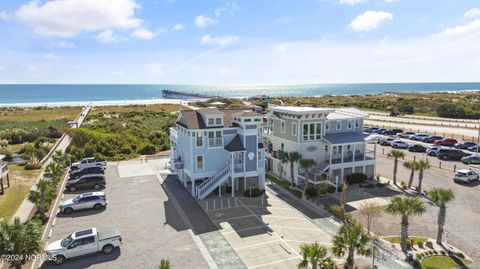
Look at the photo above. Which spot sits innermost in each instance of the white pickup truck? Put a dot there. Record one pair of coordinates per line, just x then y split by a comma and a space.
87, 162
82, 243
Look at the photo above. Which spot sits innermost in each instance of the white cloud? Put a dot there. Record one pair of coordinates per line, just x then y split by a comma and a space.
284, 47
67, 18
179, 27
2, 68
51, 56
4, 16
64, 45
154, 70
472, 13
227, 8
472, 27
118, 73
143, 33
352, 2
225, 70
204, 21
221, 41
370, 20
108, 36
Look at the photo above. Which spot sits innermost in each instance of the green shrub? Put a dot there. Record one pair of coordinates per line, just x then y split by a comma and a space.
435, 252
409, 244
420, 244
356, 178
418, 256
443, 252
311, 192
148, 150
460, 255
255, 192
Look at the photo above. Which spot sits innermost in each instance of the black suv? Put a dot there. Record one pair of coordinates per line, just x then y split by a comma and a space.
451, 154
95, 181
86, 171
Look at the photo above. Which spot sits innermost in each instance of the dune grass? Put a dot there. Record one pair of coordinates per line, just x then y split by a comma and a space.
397, 240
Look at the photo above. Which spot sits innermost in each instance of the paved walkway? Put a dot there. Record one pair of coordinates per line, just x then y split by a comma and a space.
26, 207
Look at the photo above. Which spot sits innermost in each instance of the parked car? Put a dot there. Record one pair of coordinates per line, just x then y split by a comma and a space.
417, 148
400, 144
433, 151
432, 138
451, 154
418, 137
82, 243
89, 200
472, 159
449, 142
387, 141
87, 162
370, 130
95, 181
87, 171
379, 131
405, 134
474, 148
465, 176
464, 145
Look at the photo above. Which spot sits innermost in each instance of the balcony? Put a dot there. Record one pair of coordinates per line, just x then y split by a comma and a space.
173, 135
238, 167
359, 156
215, 142
3, 169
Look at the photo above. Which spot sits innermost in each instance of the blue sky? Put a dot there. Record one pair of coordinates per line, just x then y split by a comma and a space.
239, 42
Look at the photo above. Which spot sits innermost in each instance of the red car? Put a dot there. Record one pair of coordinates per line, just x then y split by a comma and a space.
446, 142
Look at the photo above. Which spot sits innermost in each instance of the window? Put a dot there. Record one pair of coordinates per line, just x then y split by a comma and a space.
282, 126
294, 128
215, 138
282, 147
312, 131
199, 139
357, 124
199, 162
247, 120
218, 121
256, 120
211, 121
349, 125
327, 126
339, 125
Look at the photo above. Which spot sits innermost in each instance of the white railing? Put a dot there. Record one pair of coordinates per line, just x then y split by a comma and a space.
211, 183
3, 169
215, 142
173, 135
238, 167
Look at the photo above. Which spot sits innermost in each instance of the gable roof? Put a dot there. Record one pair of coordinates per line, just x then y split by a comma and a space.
235, 145
192, 119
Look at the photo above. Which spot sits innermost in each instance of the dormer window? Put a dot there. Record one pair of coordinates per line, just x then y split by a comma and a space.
349, 125
218, 121
339, 125
356, 124
214, 121
211, 121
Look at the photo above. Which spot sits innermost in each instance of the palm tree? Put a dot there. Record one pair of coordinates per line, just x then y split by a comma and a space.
413, 166
19, 239
293, 158
164, 264
396, 154
349, 240
422, 166
42, 196
284, 159
314, 256
441, 197
54, 171
405, 207
306, 164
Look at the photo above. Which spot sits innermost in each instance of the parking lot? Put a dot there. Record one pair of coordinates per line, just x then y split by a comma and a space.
150, 224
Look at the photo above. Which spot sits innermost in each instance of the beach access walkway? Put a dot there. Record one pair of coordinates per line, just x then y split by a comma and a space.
26, 208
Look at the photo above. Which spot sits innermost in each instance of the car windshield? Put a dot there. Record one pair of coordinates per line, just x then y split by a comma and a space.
75, 200
66, 241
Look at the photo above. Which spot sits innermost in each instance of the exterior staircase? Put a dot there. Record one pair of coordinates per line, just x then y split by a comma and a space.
204, 189
320, 167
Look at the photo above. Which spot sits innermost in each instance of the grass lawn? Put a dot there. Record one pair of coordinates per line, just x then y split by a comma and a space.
284, 184
396, 239
137, 108
40, 113
442, 262
21, 181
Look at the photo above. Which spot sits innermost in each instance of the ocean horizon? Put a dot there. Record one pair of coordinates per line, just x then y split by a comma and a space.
82, 93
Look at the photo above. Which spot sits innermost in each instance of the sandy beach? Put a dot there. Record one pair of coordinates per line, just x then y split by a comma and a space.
99, 103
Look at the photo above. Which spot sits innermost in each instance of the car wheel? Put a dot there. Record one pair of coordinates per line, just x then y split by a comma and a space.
68, 210
97, 206
73, 188
394, 146
96, 186
445, 157
107, 249
60, 259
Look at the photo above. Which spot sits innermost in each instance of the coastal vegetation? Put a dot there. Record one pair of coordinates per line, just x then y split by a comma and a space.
443, 104
119, 133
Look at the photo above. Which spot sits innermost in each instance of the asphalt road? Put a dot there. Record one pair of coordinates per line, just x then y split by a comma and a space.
425, 121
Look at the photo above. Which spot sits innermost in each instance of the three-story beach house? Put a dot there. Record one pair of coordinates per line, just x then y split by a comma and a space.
218, 149
332, 137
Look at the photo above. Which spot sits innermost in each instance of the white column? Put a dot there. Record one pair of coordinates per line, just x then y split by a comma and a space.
330, 150
244, 183
354, 152
220, 190
193, 187
343, 150
233, 186
342, 174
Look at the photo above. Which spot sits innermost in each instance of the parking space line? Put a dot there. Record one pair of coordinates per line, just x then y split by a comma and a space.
239, 217
206, 205
283, 217
258, 244
236, 204
270, 263
221, 203
295, 228
228, 200
246, 229
213, 204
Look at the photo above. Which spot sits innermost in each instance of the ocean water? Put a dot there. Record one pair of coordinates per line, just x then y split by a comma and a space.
53, 93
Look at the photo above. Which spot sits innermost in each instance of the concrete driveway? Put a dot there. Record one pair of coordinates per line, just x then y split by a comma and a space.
151, 226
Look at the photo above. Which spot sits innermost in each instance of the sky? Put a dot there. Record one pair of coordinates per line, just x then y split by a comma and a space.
239, 42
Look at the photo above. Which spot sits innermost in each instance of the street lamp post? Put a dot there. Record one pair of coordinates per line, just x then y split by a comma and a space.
478, 136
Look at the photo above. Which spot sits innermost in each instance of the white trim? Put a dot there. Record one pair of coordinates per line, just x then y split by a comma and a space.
294, 128
282, 126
